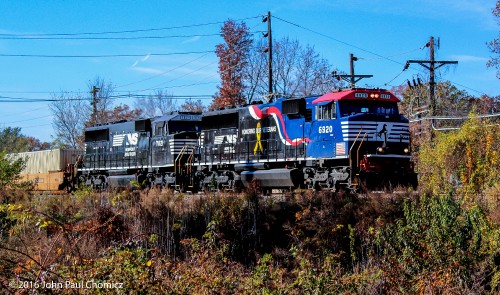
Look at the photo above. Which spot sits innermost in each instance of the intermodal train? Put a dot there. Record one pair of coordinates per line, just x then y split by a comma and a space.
349, 138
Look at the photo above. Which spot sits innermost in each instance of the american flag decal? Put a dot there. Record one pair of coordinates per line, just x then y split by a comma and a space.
340, 148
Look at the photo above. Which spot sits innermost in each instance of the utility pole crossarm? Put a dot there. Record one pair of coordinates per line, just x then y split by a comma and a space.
431, 65
437, 63
352, 79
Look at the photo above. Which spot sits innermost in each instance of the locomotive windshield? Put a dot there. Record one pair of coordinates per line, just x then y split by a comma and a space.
180, 126
351, 107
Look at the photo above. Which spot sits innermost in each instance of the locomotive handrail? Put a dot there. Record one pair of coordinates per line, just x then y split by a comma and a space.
178, 158
359, 147
350, 153
190, 161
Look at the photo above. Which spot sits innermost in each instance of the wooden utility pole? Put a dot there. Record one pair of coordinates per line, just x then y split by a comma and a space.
432, 65
94, 92
269, 51
351, 78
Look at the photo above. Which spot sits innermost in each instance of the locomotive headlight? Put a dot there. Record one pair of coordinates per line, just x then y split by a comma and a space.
380, 149
406, 150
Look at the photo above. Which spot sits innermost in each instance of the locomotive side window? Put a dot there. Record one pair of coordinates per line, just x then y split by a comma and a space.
160, 129
326, 112
97, 135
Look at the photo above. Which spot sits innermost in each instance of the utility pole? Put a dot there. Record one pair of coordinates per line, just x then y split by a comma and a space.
94, 92
352, 78
269, 51
432, 65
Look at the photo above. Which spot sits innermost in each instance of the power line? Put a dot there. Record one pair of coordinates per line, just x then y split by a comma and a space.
127, 31
103, 55
114, 38
455, 118
365, 50
32, 119
33, 126
130, 95
165, 72
155, 87
109, 38
338, 40
25, 112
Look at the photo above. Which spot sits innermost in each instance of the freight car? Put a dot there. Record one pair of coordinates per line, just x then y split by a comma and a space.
49, 170
346, 138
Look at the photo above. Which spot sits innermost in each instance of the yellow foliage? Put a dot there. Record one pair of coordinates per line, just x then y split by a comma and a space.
465, 161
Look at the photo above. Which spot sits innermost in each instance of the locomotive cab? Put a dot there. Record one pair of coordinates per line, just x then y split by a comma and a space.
378, 139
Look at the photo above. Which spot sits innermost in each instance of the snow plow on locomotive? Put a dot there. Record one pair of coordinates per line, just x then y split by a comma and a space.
347, 138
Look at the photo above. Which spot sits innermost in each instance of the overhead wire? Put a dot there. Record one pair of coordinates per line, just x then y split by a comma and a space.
131, 31
102, 55
205, 53
127, 31
165, 72
368, 51
455, 118
155, 87
25, 120
107, 38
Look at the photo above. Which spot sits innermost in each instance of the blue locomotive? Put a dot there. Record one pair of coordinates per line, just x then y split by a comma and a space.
346, 138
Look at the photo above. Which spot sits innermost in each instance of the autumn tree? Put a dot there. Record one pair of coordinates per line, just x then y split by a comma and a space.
121, 113
494, 45
232, 55
35, 144
297, 71
10, 170
103, 101
255, 72
195, 106
13, 141
450, 101
70, 114
156, 104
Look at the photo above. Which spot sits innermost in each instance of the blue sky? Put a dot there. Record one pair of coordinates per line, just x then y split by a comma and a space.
383, 34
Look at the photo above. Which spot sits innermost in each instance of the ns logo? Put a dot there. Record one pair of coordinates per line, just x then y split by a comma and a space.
125, 139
